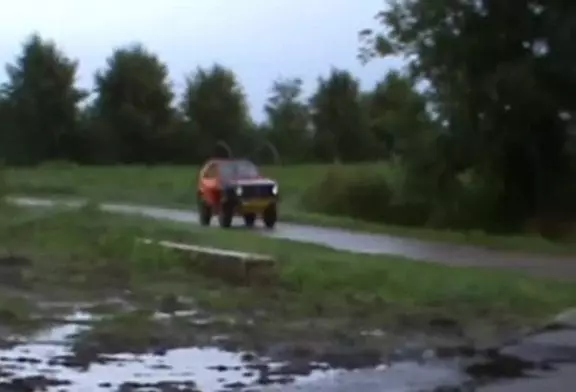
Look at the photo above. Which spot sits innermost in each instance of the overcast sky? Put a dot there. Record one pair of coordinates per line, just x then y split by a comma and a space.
259, 39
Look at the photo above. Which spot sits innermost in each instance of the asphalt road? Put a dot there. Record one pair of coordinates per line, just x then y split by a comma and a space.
559, 267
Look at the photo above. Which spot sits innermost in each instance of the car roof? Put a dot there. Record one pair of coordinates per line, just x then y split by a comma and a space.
227, 160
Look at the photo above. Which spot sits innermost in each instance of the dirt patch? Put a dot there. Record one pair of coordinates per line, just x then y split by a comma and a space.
188, 349
32, 383
14, 270
172, 333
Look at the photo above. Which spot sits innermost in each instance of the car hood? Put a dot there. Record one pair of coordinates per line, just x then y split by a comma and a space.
250, 181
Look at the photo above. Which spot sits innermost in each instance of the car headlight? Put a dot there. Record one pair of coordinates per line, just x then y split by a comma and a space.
275, 189
239, 191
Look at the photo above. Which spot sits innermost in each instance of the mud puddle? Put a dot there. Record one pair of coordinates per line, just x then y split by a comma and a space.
47, 361
188, 350
78, 353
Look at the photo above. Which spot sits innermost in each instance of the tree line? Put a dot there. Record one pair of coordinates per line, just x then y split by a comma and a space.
132, 116
490, 141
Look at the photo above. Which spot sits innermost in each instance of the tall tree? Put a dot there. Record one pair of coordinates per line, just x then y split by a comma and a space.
132, 110
40, 104
5, 128
215, 105
502, 74
182, 142
398, 114
340, 127
288, 120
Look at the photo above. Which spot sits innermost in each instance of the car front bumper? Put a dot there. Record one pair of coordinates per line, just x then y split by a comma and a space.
248, 205
254, 206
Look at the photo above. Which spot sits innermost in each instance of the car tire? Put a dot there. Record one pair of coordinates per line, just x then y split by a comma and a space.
225, 216
204, 212
249, 220
270, 216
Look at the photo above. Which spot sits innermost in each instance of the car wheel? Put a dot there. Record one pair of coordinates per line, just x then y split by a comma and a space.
225, 216
204, 213
249, 220
270, 216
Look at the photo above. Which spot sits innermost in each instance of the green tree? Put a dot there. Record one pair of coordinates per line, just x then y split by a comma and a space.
40, 105
288, 120
182, 142
501, 75
398, 114
340, 125
132, 112
5, 129
214, 105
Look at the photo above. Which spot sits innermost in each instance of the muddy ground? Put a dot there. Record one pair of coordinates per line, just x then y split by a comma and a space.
57, 337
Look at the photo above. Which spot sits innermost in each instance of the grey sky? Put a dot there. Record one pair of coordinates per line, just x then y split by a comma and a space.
259, 39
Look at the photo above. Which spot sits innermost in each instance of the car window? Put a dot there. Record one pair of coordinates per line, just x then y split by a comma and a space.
210, 171
239, 169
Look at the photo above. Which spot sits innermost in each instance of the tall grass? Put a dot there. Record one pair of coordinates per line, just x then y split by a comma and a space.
160, 184
369, 195
3, 183
362, 197
90, 249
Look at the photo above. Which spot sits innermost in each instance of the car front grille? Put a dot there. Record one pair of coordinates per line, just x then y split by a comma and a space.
255, 191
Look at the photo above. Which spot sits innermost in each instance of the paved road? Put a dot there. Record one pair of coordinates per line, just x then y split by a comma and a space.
560, 267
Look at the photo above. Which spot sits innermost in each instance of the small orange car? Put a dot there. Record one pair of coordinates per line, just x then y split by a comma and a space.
235, 187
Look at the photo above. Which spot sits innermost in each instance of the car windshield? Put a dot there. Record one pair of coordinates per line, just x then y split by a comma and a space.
238, 169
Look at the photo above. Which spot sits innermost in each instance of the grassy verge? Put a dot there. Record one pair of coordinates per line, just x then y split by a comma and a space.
174, 186
94, 251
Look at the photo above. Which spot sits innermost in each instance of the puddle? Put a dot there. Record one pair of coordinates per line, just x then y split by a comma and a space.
399, 377
205, 369
46, 361
43, 362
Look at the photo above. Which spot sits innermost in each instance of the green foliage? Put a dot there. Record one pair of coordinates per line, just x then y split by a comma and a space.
396, 197
398, 115
500, 98
132, 110
3, 183
288, 121
499, 73
341, 131
214, 107
39, 105
363, 194
131, 119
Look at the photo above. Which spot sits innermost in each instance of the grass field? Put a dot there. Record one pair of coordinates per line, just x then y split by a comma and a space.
175, 186
91, 249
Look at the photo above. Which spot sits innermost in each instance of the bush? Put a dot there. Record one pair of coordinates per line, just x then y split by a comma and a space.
3, 184
363, 194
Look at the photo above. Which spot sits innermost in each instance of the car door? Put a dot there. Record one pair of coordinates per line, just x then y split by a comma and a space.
209, 183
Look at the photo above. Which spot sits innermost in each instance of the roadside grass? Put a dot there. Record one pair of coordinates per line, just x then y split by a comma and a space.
153, 184
174, 186
90, 250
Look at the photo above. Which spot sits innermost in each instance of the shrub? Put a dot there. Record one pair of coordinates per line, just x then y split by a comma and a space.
362, 194
3, 184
